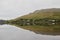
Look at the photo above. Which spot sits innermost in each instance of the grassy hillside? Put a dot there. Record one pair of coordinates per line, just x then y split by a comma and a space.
48, 27
44, 13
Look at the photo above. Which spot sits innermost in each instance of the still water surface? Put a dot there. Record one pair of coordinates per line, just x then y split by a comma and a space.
9, 32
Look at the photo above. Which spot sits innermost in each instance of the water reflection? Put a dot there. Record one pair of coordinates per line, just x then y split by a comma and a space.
41, 30
8, 32
45, 26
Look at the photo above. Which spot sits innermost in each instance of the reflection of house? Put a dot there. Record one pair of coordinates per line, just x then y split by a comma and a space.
45, 21
52, 21
26, 21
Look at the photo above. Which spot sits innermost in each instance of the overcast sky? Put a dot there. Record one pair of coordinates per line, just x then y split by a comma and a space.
13, 8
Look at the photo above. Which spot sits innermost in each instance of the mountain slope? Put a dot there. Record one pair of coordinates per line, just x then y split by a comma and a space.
44, 13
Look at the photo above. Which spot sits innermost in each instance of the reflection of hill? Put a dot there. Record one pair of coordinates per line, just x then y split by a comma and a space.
53, 14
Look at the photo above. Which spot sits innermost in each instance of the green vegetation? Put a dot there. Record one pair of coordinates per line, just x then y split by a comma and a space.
49, 25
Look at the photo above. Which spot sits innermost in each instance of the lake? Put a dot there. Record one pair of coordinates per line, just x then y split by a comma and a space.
9, 32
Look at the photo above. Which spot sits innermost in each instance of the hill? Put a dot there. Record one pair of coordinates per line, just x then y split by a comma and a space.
44, 13
49, 22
